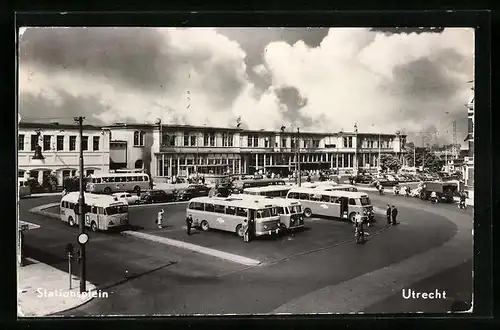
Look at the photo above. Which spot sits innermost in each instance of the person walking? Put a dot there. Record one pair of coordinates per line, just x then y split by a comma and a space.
394, 215
389, 214
159, 219
189, 224
359, 228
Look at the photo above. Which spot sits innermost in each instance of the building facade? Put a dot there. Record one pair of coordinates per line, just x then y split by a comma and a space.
183, 150
469, 160
60, 147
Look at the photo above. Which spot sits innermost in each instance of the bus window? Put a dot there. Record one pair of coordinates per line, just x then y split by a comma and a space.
231, 210
98, 180
293, 195
241, 212
133, 178
315, 197
111, 179
209, 207
325, 198
304, 196
296, 209
265, 213
335, 200
104, 180
219, 208
145, 178
123, 179
352, 201
196, 206
191, 206
281, 210
100, 210
94, 209
129, 179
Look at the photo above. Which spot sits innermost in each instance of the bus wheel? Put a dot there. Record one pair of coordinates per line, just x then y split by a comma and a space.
71, 222
239, 231
137, 189
204, 225
352, 217
93, 226
107, 190
307, 212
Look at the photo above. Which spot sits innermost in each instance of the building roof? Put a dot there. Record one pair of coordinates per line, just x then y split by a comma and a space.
55, 125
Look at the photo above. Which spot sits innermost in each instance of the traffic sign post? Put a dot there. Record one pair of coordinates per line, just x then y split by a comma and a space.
70, 249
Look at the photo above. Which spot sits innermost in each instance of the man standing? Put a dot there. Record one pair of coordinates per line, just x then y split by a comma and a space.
159, 219
389, 213
246, 235
189, 223
394, 215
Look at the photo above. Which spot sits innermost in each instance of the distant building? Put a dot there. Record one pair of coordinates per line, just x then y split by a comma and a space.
60, 146
469, 159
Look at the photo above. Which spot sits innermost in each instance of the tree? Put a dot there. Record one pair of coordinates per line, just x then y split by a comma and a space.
389, 162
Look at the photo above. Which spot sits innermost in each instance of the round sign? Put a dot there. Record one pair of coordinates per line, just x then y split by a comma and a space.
83, 238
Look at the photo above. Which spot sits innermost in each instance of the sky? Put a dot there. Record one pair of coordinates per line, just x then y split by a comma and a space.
318, 79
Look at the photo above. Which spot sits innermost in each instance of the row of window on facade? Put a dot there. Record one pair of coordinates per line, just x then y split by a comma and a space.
47, 143
64, 173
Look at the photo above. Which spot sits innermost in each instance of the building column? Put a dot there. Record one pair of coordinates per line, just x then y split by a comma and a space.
239, 165
256, 162
289, 162
265, 158
170, 167
234, 164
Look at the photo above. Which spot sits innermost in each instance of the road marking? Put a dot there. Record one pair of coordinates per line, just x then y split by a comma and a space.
195, 248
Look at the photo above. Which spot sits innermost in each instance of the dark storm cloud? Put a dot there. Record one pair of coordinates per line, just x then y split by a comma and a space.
41, 108
290, 97
142, 58
131, 54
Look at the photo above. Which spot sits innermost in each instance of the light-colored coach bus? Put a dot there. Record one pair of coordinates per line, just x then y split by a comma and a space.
334, 203
290, 212
229, 213
118, 182
240, 185
102, 212
269, 191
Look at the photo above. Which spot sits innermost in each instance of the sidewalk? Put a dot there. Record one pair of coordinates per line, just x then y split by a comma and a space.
44, 290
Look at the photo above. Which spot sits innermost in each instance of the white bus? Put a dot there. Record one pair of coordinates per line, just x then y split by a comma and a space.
290, 212
118, 182
341, 187
334, 203
101, 212
270, 191
23, 187
228, 214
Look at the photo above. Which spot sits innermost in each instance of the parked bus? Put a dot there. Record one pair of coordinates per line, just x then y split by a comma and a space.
270, 191
240, 185
340, 187
290, 212
23, 187
334, 203
229, 213
101, 212
118, 182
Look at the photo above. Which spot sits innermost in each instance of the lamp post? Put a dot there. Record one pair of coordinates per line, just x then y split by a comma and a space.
298, 157
81, 220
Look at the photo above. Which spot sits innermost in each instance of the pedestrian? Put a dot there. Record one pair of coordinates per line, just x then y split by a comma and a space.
394, 215
159, 219
246, 237
189, 224
359, 229
389, 214
251, 228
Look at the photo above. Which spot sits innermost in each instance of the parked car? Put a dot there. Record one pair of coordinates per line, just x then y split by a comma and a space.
130, 198
193, 190
363, 178
158, 196
444, 190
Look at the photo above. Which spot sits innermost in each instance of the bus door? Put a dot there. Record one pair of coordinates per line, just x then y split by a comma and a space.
344, 207
101, 224
251, 220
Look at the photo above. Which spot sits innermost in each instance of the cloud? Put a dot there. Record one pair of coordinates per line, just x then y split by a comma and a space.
270, 77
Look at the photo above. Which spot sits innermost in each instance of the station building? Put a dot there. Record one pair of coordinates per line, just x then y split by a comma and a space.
59, 145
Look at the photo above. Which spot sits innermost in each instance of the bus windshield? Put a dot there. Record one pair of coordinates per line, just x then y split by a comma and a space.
365, 201
266, 213
295, 209
118, 209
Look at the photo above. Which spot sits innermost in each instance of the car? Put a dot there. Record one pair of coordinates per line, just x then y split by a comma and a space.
191, 191
130, 198
158, 196
363, 178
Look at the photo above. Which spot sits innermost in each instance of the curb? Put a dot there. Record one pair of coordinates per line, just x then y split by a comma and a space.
20, 312
195, 248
